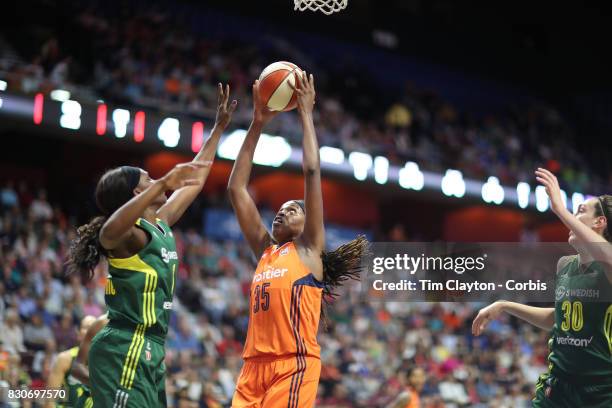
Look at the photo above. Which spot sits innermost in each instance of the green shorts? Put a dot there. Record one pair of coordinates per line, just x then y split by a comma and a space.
126, 369
78, 397
84, 399
553, 392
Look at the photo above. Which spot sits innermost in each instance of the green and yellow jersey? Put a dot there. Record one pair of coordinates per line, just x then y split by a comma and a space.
139, 289
581, 340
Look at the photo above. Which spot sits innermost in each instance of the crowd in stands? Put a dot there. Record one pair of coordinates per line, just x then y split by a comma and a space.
152, 59
366, 347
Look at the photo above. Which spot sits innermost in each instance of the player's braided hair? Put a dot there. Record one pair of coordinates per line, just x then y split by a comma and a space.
85, 249
115, 188
605, 209
340, 265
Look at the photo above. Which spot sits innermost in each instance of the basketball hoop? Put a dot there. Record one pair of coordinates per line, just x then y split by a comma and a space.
326, 6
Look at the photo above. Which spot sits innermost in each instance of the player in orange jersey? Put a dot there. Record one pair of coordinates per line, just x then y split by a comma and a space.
413, 381
282, 363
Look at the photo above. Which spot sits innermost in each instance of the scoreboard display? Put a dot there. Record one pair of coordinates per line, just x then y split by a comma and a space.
130, 126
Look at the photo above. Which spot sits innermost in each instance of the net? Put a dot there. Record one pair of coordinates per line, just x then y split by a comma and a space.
325, 6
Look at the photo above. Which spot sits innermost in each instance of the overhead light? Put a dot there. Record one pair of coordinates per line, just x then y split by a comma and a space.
60, 95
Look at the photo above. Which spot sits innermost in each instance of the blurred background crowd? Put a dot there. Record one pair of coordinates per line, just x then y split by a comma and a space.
367, 347
160, 58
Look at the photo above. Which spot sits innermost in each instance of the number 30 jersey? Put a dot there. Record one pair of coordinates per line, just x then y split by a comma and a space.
285, 307
581, 341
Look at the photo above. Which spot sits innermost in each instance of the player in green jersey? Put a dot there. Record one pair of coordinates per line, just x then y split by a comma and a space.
61, 375
580, 359
126, 367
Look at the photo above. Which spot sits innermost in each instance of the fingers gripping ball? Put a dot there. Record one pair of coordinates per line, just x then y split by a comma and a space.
276, 86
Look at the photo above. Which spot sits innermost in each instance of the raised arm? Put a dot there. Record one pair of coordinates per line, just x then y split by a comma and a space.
120, 225
594, 244
246, 211
182, 198
314, 230
79, 364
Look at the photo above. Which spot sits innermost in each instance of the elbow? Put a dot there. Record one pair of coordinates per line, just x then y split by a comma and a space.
233, 191
311, 169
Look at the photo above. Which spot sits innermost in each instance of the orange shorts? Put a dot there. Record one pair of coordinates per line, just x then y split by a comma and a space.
278, 383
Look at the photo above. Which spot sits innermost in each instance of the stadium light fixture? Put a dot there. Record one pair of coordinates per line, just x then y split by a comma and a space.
411, 177
331, 155
71, 115
361, 162
60, 95
121, 117
541, 198
3, 85
381, 169
492, 191
169, 132
522, 193
271, 150
453, 184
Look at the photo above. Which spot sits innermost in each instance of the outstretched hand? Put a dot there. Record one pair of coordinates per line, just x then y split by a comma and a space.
184, 174
486, 316
551, 184
305, 90
261, 113
224, 111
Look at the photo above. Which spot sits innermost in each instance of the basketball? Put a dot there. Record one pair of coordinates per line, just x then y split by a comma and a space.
275, 86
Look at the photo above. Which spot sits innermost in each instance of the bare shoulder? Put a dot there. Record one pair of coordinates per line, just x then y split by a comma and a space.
132, 243
311, 258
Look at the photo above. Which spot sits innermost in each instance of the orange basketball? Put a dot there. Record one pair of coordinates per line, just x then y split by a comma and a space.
275, 84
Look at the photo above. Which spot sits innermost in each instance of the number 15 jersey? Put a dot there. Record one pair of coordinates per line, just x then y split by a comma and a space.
285, 307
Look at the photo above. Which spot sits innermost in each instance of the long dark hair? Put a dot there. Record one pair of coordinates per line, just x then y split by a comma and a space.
340, 265
605, 209
115, 188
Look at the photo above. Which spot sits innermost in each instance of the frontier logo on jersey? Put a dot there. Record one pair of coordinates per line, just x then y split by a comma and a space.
572, 341
168, 255
270, 273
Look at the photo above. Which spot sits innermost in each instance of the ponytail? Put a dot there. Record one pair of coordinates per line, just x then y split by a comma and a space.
86, 250
340, 265
115, 188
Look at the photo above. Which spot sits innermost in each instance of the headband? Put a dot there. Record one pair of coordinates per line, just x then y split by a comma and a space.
604, 209
301, 204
